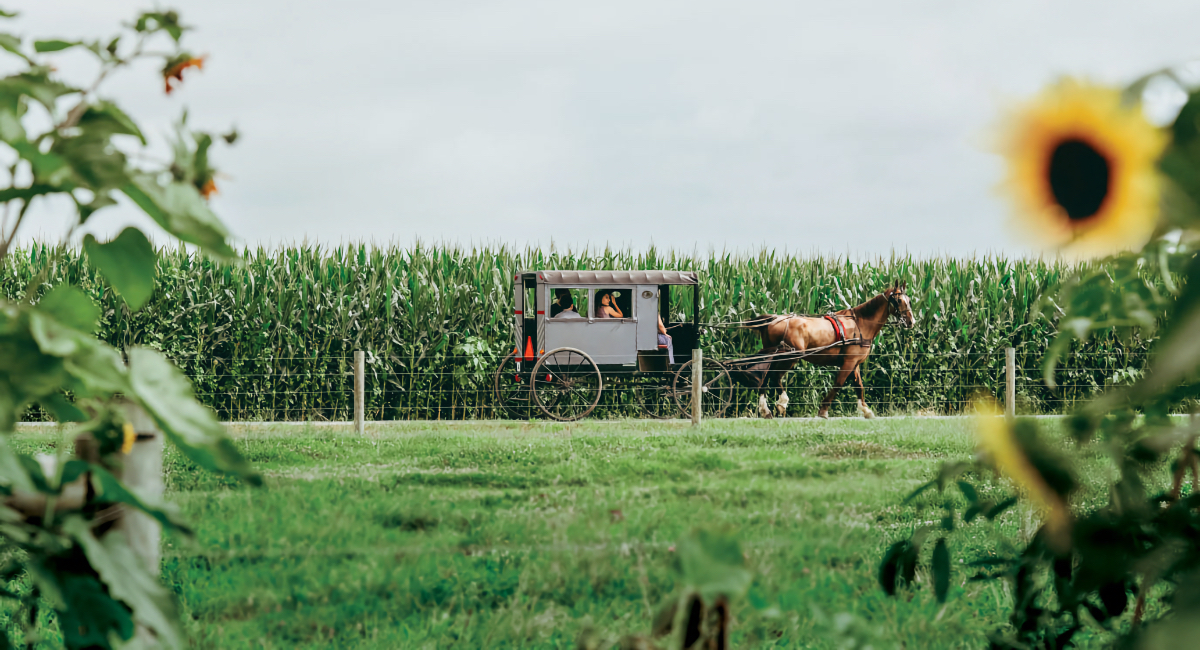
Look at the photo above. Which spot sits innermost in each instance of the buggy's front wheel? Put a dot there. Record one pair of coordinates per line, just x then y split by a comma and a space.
566, 384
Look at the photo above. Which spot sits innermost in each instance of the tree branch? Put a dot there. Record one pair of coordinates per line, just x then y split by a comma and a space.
8, 239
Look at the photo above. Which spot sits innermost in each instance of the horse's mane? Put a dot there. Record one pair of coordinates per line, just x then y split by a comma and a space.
873, 303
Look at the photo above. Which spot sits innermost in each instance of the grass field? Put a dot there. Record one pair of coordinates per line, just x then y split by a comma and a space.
522, 535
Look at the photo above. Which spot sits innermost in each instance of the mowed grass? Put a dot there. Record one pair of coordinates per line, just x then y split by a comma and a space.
506, 535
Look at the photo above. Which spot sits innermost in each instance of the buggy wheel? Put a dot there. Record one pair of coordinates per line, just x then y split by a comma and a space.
654, 394
717, 389
566, 384
511, 389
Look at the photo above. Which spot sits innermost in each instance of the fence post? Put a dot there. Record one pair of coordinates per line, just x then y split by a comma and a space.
697, 384
142, 470
1010, 383
359, 390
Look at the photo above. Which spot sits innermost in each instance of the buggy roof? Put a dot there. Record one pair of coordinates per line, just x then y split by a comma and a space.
616, 277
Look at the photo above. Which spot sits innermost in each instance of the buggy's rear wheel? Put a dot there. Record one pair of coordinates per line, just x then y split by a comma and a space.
511, 389
566, 384
716, 389
654, 394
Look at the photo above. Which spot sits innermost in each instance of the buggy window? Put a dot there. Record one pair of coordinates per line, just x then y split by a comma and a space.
562, 298
619, 298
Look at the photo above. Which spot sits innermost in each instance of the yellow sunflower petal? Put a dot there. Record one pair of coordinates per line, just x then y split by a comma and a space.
1082, 169
997, 441
129, 439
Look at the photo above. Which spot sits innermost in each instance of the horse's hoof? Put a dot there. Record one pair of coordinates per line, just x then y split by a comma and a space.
823, 415
868, 415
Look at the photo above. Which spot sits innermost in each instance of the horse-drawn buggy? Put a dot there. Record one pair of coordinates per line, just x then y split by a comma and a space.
577, 331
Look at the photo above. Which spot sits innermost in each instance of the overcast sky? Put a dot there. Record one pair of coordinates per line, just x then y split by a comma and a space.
835, 127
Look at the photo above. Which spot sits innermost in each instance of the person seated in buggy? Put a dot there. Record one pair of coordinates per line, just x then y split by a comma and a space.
608, 304
665, 339
563, 305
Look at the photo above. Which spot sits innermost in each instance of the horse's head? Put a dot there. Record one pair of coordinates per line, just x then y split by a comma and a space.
899, 305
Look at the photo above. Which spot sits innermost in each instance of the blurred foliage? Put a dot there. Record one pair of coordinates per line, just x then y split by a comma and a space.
1128, 567
711, 572
56, 519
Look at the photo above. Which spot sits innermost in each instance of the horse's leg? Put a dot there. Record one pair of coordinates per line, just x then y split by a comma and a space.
862, 394
840, 379
763, 382
782, 404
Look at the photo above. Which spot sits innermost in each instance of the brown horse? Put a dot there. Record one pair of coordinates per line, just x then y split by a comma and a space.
788, 333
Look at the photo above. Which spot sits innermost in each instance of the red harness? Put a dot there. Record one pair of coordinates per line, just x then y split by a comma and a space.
837, 328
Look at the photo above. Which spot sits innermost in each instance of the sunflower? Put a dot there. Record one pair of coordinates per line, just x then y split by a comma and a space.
1004, 451
1082, 169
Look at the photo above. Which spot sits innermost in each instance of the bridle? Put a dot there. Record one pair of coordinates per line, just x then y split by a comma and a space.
896, 310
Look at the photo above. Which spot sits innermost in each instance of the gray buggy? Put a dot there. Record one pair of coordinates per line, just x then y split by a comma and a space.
565, 356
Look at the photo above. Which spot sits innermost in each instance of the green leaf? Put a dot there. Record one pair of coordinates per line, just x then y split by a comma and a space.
55, 339
100, 201
968, 491
111, 490
1000, 508
129, 263
36, 85
12, 44
12, 472
90, 613
53, 45
167, 395
25, 193
11, 128
49, 168
96, 163
99, 369
892, 566
37, 477
712, 564
61, 408
941, 570
72, 470
70, 306
153, 21
919, 491
181, 211
108, 119
127, 578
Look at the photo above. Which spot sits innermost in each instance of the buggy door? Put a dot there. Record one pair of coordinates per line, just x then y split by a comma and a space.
609, 341
647, 326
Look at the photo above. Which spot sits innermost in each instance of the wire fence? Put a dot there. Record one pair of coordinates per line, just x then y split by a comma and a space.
321, 388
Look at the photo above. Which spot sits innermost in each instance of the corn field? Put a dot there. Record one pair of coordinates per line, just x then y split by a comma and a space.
272, 338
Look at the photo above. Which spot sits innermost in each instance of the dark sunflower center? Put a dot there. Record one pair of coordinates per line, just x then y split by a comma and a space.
1078, 178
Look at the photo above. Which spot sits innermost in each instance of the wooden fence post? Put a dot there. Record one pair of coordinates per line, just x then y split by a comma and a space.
142, 470
1010, 384
697, 385
359, 390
